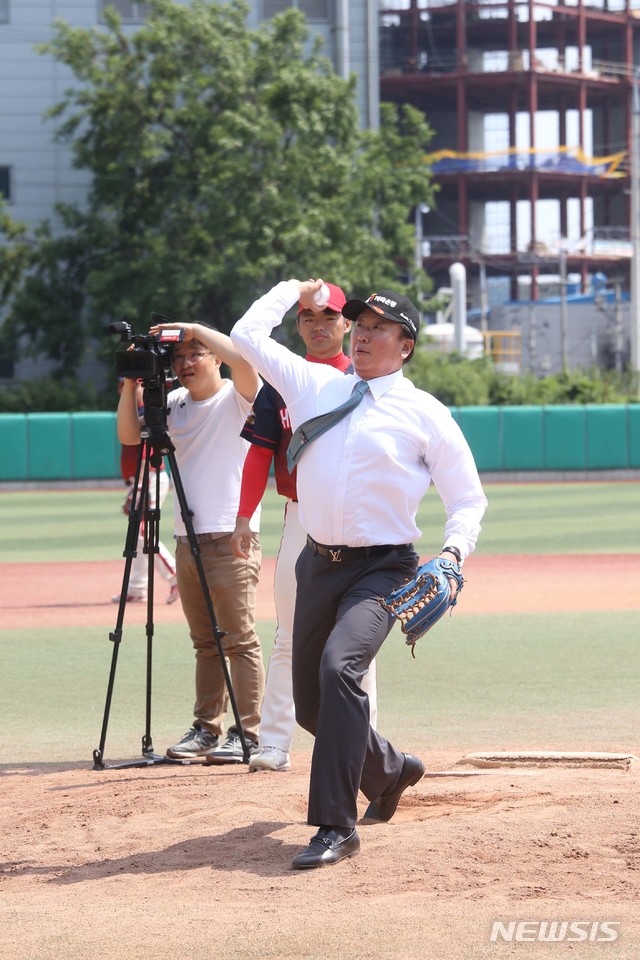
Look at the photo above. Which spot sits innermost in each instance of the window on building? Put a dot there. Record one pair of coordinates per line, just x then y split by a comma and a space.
4, 11
129, 11
497, 227
5, 183
316, 10
496, 131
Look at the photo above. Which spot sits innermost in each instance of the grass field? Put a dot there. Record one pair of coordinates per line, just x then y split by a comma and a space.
486, 682
49, 526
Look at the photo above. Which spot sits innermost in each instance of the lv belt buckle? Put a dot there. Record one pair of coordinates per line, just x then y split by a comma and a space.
336, 556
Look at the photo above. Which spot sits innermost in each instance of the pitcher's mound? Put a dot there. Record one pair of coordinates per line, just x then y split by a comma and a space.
550, 758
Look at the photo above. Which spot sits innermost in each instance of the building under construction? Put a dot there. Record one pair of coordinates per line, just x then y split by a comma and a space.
532, 107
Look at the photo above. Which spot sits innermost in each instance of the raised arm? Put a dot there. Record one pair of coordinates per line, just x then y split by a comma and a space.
244, 376
252, 336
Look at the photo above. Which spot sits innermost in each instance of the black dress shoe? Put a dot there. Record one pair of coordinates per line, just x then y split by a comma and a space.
330, 845
385, 806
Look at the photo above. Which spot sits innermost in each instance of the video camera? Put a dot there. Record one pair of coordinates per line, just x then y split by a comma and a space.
150, 358
147, 358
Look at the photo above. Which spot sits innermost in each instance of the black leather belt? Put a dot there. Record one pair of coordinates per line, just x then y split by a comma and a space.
338, 554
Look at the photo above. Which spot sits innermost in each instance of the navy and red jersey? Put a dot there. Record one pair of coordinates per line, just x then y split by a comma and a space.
268, 426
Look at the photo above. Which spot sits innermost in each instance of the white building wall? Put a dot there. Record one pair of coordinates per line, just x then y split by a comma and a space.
30, 83
41, 173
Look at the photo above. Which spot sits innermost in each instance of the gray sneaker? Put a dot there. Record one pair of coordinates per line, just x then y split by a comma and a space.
231, 749
197, 742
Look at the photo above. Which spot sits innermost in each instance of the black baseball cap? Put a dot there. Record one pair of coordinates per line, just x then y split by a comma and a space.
391, 306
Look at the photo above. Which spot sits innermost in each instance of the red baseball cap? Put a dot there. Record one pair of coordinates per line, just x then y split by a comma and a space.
336, 300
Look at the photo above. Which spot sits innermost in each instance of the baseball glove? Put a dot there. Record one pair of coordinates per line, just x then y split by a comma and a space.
422, 601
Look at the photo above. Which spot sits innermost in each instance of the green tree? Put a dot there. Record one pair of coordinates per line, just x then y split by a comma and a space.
455, 380
222, 160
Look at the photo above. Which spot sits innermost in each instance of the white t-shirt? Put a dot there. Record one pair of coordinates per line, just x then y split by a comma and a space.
210, 454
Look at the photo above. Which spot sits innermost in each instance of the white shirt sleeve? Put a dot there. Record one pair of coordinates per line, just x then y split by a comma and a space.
251, 336
455, 477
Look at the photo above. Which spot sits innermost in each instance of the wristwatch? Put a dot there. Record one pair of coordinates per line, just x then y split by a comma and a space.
454, 552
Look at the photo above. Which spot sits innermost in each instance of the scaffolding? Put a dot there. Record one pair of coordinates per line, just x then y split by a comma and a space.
505, 349
531, 102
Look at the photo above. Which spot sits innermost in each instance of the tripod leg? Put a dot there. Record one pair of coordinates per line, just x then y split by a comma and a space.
141, 513
151, 539
217, 632
136, 514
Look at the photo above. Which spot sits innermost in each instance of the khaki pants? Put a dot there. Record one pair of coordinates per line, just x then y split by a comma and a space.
232, 586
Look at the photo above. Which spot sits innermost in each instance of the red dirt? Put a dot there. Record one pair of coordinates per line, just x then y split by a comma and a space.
79, 594
193, 862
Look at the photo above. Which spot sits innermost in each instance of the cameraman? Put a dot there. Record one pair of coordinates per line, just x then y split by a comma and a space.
205, 417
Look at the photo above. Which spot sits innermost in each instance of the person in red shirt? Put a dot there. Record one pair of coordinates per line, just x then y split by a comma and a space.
269, 431
163, 560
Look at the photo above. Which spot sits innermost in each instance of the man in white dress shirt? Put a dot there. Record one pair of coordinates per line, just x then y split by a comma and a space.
360, 484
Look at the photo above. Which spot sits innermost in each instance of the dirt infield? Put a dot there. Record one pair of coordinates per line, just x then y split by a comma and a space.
79, 594
188, 861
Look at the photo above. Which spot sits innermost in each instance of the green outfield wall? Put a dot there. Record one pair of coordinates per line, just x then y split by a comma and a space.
84, 446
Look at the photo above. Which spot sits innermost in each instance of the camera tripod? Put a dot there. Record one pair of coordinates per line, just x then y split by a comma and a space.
156, 444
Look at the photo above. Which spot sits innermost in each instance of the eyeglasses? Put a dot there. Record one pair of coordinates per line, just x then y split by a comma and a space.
191, 358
